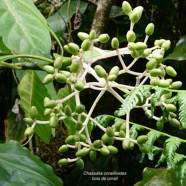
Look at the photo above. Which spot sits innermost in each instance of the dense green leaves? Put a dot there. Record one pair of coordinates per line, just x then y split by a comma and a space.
23, 28
32, 93
19, 167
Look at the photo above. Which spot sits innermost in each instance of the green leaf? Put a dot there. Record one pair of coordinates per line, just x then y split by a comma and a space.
160, 177
3, 48
182, 107
135, 97
104, 119
179, 52
59, 20
23, 28
19, 167
32, 93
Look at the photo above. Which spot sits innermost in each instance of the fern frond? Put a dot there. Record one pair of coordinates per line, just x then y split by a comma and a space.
156, 98
171, 145
134, 129
135, 97
183, 172
153, 135
162, 159
182, 107
154, 151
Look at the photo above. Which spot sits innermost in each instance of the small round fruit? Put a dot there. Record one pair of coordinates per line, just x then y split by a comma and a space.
142, 139
82, 152
58, 62
105, 151
100, 71
29, 131
80, 164
170, 71
109, 131
63, 148
93, 155
83, 35
33, 112
103, 38
54, 120
112, 149
97, 144
115, 43
127, 9
149, 30
63, 162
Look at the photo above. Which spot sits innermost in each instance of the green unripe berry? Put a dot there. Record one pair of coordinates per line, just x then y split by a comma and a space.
77, 137
156, 72
132, 46
112, 149
151, 64
172, 115
63, 162
159, 125
109, 131
157, 56
171, 108
66, 48
82, 152
73, 79
105, 151
79, 126
144, 148
66, 73
28, 121
159, 42
80, 164
170, 71
49, 69
141, 46
111, 77
163, 83
149, 30
83, 36
48, 78
103, 38
29, 132
123, 127
93, 155
127, 9
61, 78
131, 36
92, 35
122, 134
97, 144
142, 139
54, 120
63, 148
115, 43
75, 67
166, 45
136, 14
174, 122
69, 139
47, 111
117, 126
33, 112
50, 103
73, 48
80, 108
100, 71
176, 85
67, 110
135, 54
58, 62
83, 138
106, 139
146, 53
86, 45
114, 71
154, 81
79, 85
126, 144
